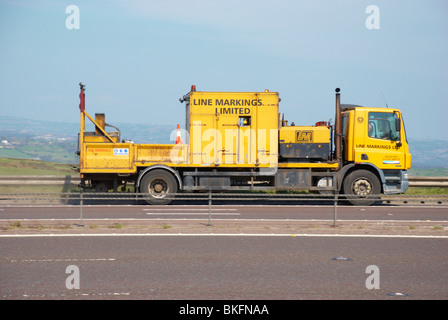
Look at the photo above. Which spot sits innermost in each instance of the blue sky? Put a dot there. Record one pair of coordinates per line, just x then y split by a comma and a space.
137, 58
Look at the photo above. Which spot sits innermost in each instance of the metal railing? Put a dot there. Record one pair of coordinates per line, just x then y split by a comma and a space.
39, 180
210, 199
76, 197
432, 182
414, 181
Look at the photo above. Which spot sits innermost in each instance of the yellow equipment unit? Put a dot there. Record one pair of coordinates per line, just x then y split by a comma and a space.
305, 143
233, 129
239, 141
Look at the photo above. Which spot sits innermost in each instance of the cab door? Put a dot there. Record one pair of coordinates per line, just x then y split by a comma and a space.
383, 146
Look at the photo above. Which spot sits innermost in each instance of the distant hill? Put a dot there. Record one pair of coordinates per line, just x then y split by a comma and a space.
429, 153
26, 128
57, 141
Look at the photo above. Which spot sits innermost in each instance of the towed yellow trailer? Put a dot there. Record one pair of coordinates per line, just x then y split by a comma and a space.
240, 141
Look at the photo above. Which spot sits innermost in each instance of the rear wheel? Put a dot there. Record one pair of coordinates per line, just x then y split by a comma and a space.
158, 187
362, 188
101, 187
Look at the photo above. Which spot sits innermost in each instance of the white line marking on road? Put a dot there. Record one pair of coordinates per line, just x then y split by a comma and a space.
219, 235
243, 219
55, 295
195, 211
191, 209
192, 214
435, 206
62, 260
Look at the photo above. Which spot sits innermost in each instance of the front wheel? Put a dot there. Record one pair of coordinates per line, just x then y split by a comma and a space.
158, 187
362, 188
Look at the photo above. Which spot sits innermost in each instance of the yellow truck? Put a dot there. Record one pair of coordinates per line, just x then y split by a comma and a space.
240, 141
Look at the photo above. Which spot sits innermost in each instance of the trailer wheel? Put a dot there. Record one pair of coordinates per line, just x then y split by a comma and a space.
362, 188
158, 187
101, 187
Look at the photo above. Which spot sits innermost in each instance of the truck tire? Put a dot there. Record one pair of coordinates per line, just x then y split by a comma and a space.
158, 187
101, 187
362, 188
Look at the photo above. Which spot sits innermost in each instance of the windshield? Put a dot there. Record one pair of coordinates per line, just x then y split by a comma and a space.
382, 125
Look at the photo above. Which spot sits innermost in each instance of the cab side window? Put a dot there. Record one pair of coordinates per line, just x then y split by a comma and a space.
382, 126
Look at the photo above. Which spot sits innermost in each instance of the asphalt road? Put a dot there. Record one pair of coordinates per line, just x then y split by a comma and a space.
273, 212
222, 267
249, 252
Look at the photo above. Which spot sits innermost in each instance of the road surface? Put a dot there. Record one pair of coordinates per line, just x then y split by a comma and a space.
248, 252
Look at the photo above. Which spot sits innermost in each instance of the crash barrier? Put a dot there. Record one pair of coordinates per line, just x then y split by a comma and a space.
39, 180
210, 198
432, 182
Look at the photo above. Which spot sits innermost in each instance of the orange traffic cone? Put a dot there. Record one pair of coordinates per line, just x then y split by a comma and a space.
178, 138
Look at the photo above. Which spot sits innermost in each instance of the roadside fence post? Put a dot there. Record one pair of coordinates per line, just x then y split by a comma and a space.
209, 207
335, 209
81, 189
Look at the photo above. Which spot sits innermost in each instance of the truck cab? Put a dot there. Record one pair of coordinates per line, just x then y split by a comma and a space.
375, 139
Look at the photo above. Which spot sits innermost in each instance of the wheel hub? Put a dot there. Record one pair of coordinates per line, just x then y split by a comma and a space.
362, 187
158, 188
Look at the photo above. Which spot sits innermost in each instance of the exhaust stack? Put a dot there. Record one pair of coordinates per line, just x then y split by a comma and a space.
338, 128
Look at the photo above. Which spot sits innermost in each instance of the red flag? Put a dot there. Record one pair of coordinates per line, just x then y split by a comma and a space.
82, 105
